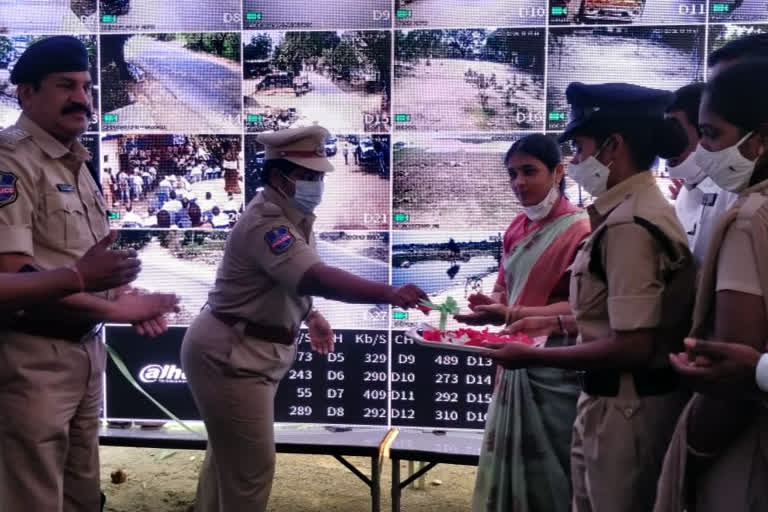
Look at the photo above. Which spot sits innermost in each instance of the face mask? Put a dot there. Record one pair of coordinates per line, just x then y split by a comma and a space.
541, 210
728, 168
591, 175
687, 170
308, 195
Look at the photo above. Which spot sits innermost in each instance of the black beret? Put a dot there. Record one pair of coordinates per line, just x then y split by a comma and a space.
57, 54
602, 101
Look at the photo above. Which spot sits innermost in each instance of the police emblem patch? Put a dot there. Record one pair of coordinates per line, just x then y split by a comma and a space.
279, 239
8, 190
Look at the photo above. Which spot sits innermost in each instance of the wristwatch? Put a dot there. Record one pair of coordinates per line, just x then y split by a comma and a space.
761, 373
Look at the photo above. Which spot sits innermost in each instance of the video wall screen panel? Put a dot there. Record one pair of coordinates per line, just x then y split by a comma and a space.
422, 97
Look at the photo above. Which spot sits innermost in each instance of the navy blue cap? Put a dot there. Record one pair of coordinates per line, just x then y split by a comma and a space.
57, 54
601, 101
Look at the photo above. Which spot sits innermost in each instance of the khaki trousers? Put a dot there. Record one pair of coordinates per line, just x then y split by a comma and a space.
233, 379
50, 399
618, 448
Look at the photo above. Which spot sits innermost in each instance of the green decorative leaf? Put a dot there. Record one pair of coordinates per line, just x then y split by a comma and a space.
449, 307
127, 374
427, 304
166, 455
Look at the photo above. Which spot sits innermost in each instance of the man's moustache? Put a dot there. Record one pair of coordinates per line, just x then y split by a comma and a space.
77, 108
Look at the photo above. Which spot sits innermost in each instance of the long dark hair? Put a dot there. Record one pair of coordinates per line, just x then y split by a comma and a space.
647, 138
542, 148
737, 94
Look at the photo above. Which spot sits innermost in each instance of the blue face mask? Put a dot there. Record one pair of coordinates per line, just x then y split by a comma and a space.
308, 195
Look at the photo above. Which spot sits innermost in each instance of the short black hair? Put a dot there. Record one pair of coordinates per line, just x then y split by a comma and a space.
687, 100
750, 46
163, 219
647, 137
738, 94
540, 147
37, 84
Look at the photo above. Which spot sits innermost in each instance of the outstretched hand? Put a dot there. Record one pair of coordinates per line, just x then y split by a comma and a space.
718, 368
104, 269
321, 336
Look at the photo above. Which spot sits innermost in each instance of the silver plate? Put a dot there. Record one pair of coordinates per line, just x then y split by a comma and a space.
415, 336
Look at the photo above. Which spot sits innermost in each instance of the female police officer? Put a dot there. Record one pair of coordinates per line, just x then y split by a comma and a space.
235, 353
631, 294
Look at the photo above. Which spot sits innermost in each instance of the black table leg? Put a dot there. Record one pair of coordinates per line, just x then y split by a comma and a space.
375, 484
395, 485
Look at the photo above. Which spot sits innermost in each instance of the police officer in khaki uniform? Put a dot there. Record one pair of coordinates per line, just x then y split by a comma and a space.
51, 359
631, 294
235, 353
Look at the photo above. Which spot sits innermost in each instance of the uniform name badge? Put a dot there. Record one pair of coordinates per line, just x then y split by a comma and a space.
709, 199
279, 239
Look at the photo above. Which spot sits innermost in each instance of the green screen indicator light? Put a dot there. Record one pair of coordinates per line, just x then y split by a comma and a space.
109, 18
253, 118
110, 118
559, 11
402, 118
721, 7
557, 116
401, 217
400, 315
403, 13
114, 215
253, 16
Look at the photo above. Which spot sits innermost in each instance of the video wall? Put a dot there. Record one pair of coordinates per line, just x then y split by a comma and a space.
423, 98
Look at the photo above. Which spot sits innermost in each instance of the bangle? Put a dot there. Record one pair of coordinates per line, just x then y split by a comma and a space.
80, 279
560, 324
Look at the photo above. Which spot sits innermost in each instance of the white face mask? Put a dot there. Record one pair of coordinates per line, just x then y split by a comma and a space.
590, 174
728, 168
687, 170
541, 210
308, 194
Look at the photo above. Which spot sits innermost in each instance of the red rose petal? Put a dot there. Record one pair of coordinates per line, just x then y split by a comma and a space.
477, 337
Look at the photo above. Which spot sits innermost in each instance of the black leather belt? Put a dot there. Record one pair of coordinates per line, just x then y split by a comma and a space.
651, 382
76, 333
271, 333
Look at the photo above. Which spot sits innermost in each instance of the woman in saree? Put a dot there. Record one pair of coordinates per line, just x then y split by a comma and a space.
718, 458
231, 165
524, 463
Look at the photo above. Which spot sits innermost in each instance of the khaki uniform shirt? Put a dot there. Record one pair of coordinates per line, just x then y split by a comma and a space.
268, 251
50, 207
634, 294
737, 266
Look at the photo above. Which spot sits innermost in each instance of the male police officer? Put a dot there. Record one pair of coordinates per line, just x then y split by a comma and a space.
51, 360
700, 203
235, 353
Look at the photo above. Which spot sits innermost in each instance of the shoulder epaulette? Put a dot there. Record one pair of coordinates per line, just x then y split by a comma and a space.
11, 136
